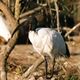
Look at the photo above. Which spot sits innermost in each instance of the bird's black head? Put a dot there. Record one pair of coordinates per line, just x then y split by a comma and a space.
33, 22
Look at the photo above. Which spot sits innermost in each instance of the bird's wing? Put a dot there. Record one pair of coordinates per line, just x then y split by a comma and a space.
58, 43
45, 36
35, 40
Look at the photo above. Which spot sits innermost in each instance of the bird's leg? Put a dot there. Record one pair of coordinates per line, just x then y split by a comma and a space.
46, 69
53, 62
49, 75
46, 66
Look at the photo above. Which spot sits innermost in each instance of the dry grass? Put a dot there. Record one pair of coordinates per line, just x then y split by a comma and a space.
23, 56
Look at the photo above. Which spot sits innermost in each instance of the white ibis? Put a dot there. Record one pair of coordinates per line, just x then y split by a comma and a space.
49, 42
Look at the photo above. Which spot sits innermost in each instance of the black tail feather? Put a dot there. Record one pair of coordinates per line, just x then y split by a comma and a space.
67, 52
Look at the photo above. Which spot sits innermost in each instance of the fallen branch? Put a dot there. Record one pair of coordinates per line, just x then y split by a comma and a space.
32, 68
76, 26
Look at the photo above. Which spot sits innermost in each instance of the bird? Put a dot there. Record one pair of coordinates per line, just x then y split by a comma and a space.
5, 34
47, 41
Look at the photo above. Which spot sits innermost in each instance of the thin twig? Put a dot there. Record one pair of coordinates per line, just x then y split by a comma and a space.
57, 15
32, 11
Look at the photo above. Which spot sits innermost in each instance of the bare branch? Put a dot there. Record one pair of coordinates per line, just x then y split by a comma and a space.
57, 15
17, 9
76, 26
32, 11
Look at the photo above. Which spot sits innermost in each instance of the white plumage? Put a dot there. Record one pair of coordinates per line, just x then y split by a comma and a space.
47, 40
4, 32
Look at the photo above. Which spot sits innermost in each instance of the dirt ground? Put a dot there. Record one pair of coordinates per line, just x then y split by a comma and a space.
23, 56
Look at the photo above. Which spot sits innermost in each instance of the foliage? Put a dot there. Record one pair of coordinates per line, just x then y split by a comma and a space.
73, 77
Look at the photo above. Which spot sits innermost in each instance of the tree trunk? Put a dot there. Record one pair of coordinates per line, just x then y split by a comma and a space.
5, 1
9, 17
11, 44
6, 50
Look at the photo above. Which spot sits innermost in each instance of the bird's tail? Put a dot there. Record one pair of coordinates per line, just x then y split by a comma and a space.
67, 52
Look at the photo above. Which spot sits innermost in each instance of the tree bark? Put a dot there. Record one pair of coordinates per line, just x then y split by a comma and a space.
5, 54
57, 15
5, 1
2, 62
17, 9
